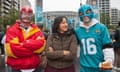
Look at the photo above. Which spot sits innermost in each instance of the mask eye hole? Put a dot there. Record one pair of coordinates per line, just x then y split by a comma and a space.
88, 11
81, 14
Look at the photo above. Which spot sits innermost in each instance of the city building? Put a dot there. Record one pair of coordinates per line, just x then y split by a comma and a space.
6, 5
119, 15
104, 9
104, 5
71, 15
114, 16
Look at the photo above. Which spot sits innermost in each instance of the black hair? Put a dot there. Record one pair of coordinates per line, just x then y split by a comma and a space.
40, 26
56, 23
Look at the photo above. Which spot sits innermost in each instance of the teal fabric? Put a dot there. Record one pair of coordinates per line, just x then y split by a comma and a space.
83, 9
91, 43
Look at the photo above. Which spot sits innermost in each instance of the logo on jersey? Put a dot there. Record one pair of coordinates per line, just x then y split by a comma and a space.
97, 31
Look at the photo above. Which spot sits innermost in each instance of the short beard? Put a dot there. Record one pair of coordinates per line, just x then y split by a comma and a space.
87, 23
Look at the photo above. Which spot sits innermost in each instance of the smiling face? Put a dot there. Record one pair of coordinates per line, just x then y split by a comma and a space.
63, 26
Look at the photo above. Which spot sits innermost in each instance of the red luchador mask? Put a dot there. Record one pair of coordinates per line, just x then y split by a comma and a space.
26, 14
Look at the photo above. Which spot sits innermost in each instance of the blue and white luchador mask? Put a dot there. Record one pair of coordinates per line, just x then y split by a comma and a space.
85, 10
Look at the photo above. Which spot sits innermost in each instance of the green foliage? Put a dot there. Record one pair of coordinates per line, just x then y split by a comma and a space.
33, 19
10, 18
105, 19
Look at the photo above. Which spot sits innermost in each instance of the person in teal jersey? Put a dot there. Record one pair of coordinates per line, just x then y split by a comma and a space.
96, 51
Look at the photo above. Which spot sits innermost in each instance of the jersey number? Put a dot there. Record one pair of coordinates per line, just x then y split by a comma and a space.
89, 48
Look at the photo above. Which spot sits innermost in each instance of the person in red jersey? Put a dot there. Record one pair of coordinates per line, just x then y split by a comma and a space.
24, 43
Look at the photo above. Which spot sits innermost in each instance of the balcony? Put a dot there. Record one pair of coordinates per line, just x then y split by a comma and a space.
6, 7
7, 3
6, 11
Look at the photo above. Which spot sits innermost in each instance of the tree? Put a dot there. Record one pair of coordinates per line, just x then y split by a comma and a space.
10, 18
33, 19
105, 19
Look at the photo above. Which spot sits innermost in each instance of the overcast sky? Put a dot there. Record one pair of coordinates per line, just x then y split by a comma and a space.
60, 5
115, 3
67, 5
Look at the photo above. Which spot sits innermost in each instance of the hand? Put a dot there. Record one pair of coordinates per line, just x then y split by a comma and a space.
50, 49
106, 65
43, 63
113, 41
66, 52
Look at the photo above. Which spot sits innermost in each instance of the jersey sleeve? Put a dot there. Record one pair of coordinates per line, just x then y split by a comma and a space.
107, 45
105, 36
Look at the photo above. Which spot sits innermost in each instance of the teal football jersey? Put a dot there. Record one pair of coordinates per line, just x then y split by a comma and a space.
91, 42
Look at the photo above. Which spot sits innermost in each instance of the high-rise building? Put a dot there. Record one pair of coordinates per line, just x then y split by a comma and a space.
114, 16
104, 5
104, 8
119, 16
6, 5
16, 4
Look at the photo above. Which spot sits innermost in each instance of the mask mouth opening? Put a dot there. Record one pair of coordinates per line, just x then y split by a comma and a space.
26, 18
86, 19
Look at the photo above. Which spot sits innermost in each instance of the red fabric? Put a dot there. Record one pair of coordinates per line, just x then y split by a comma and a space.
33, 44
24, 51
26, 10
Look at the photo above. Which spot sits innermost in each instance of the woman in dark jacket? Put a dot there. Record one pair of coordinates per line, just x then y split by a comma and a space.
61, 47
